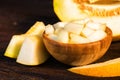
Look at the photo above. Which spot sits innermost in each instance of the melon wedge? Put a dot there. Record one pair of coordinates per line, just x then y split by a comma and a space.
104, 12
37, 29
110, 68
14, 46
16, 41
32, 51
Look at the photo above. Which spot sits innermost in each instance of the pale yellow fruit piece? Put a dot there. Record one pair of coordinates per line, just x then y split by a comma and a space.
53, 37
109, 68
96, 26
97, 35
49, 29
59, 25
37, 29
15, 43
87, 31
63, 36
14, 46
74, 28
57, 30
113, 23
78, 39
32, 51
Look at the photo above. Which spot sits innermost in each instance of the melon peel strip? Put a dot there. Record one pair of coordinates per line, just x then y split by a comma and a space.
110, 68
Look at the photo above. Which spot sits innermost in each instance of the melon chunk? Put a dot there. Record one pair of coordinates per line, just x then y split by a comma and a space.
49, 29
77, 32
74, 28
78, 39
59, 25
63, 36
96, 26
97, 35
87, 31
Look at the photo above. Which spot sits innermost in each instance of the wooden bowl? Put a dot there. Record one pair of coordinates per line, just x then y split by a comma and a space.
78, 54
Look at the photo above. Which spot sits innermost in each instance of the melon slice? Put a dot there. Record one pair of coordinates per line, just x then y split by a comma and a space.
37, 29
32, 51
104, 1
103, 11
16, 41
14, 46
109, 68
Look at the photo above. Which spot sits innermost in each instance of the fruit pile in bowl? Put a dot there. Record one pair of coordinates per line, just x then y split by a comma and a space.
77, 43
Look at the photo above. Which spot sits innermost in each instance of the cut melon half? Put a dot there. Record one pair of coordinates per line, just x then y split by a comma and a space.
101, 11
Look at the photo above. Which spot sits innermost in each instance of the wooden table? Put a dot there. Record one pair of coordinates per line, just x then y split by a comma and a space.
16, 17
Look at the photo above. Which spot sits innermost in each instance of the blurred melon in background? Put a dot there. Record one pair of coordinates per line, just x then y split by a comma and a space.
105, 11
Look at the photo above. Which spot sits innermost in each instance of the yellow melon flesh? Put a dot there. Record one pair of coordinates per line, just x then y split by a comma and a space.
109, 68
14, 46
67, 10
32, 51
16, 41
109, 13
37, 29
